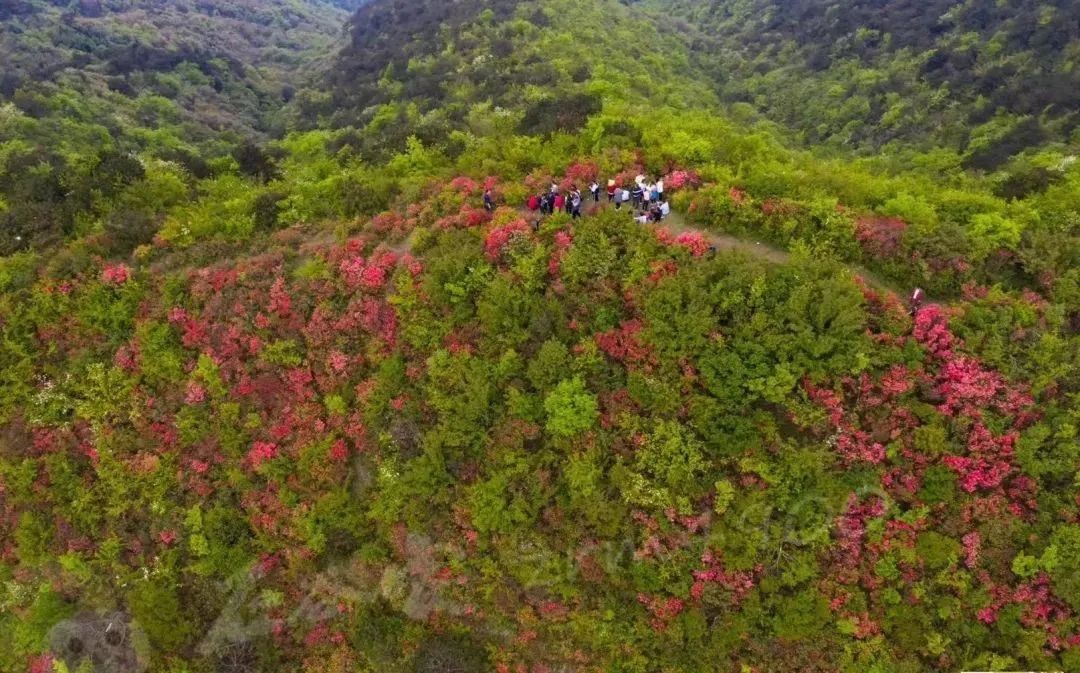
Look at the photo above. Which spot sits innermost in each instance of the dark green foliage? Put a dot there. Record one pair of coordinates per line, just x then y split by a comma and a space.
901, 71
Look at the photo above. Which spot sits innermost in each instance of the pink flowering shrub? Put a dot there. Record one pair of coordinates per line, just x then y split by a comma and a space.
624, 343
972, 544
117, 274
880, 236
465, 185
261, 452
582, 173
693, 241
499, 238
681, 179
196, 393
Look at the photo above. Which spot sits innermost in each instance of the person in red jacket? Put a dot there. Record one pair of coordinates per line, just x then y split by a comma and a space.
611, 188
560, 202
534, 202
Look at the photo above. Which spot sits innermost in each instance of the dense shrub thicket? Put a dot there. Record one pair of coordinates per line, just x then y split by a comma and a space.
303, 403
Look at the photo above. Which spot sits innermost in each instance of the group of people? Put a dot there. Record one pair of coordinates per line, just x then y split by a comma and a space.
645, 199
554, 200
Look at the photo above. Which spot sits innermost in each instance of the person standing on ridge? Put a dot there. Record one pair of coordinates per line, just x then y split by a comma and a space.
595, 189
489, 201
916, 300
575, 204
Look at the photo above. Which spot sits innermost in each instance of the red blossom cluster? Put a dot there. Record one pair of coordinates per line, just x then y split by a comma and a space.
988, 462
663, 610
693, 241
932, 332
681, 179
116, 274
563, 241
851, 534
370, 274
880, 236
464, 185
581, 173
853, 443
624, 343
972, 545
280, 301
195, 393
1041, 609
499, 238
738, 583
262, 452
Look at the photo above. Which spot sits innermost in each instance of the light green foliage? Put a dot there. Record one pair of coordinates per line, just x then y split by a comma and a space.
673, 457
571, 408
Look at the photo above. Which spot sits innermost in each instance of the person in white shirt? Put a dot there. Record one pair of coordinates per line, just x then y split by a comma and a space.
660, 189
665, 208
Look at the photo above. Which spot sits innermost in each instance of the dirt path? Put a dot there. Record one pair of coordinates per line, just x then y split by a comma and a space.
677, 223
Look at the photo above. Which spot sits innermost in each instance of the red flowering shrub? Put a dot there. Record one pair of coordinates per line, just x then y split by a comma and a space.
681, 179
582, 173
880, 236
693, 241
261, 452
624, 343
932, 331
500, 237
280, 301
464, 185
117, 274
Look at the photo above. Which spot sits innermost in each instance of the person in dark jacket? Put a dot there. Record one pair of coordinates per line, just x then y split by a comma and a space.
489, 201
575, 204
637, 195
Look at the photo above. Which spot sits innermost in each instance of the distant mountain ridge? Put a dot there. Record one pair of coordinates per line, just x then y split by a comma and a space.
987, 78
226, 65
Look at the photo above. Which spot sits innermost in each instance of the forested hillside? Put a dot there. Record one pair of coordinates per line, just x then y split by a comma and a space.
987, 79
308, 386
216, 66
86, 83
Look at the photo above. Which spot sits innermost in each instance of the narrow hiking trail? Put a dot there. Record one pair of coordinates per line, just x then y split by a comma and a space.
677, 223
